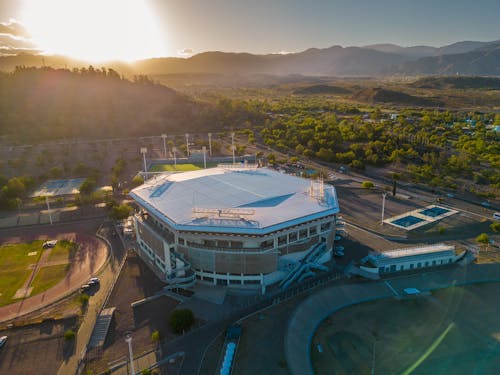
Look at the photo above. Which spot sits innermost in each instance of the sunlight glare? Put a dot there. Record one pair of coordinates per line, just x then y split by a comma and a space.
94, 30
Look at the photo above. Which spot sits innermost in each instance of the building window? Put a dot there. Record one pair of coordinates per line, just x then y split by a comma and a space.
222, 243
433, 262
303, 233
313, 231
325, 226
401, 268
182, 241
292, 237
427, 264
236, 244
411, 266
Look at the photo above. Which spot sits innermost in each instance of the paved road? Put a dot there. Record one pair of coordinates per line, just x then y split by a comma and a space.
89, 259
311, 312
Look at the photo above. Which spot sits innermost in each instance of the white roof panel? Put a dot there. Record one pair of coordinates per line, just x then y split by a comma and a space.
238, 198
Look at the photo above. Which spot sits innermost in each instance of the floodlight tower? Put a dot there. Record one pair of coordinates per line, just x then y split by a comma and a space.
187, 144
128, 340
144, 150
204, 148
164, 136
210, 144
48, 208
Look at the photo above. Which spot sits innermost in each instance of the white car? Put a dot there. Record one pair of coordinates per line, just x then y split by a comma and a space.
93, 281
3, 340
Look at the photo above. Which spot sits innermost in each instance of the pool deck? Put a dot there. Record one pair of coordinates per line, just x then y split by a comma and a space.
425, 219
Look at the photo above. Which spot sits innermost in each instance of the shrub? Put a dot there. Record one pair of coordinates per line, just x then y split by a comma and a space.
483, 238
181, 320
155, 336
367, 184
69, 335
495, 227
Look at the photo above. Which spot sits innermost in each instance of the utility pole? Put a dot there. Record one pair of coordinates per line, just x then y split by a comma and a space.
210, 144
174, 150
232, 146
128, 340
383, 207
187, 144
48, 208
204, 148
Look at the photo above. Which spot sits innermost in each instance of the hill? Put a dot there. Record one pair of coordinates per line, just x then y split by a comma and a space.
460, 82
380, 95
47, 103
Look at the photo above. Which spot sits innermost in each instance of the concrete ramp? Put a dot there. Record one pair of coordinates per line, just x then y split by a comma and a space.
101, 328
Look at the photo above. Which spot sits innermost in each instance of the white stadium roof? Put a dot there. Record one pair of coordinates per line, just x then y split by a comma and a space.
235, 200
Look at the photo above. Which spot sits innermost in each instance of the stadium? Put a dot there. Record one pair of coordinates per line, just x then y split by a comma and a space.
234, 225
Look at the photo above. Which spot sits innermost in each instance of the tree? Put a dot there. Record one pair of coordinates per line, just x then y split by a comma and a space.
155, 336
137, 180
88, 186
181, 320
495, 227
69, 335
120, 212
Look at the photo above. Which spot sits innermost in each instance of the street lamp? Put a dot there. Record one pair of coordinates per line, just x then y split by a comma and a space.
383, 207
210, 143
164, 136
174, 150
232, 145
48, 208
204, 148
128, 340
187, 144
144, 150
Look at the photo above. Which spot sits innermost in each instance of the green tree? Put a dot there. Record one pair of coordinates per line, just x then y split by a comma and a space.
69, 335
181, 320
367, 185
88, 186
483, 238
120, 212
137, 181
155, 336
495, 227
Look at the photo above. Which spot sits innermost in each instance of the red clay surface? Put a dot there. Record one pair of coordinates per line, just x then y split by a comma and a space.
88, 260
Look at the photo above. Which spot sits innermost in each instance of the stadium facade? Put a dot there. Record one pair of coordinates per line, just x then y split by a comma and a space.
233, 225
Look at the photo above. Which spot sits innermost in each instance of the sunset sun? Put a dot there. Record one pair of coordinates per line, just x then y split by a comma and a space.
94, 30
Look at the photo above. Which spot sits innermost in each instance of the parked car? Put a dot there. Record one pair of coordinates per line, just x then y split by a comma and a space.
3, 341
485, 204
85, 288
49, 244
93, 281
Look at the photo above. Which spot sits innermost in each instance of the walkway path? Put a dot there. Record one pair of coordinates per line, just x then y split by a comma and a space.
312, 311
89, 258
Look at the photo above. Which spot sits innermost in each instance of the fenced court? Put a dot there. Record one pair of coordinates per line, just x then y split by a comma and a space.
53, 188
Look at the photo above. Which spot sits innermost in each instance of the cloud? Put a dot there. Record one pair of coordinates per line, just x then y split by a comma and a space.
185, 52
15, 39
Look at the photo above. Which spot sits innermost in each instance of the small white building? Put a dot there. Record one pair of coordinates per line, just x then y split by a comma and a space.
411, 258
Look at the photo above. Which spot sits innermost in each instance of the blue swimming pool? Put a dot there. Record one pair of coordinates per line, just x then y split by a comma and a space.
434, 211
407, 221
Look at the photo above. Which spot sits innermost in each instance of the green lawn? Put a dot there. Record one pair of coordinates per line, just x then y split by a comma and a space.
64, 250
14, 261
47, 277
179, 167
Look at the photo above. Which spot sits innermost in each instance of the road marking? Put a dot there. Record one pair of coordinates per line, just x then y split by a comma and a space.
386, 282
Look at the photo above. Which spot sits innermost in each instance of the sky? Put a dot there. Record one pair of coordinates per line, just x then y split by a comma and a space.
134, 29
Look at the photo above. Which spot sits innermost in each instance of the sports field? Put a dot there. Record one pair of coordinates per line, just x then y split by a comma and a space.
454, 331
18, 267
179, 167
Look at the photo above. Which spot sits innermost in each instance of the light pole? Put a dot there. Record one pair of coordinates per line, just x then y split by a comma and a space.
174, 150
128, 340
164, 136
48, 208
144, 150
383, 207
187, 144
204, 148
232, 145
210, 144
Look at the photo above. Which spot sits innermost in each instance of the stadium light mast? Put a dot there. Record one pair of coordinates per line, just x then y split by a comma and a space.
204, 148
383, 207
128, 340
144, 150
48, 208
187, 144
164, 136
232, 146
210, 144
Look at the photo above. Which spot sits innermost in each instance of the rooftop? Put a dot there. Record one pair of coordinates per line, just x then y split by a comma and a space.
236, 200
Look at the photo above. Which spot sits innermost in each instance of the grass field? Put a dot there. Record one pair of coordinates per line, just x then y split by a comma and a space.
454, 331
14, 261
47, 277
179, 167
15, 267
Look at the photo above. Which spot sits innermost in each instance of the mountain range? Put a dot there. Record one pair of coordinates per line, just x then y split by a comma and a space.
462, 58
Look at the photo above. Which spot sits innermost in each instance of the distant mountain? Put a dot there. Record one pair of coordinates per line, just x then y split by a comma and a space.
477, 58
380, 95
321, 89
484, 61
458, 82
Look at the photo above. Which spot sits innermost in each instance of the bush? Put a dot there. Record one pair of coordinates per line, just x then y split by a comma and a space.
367, 185
495, 227
181, 320
69, 335
483, 238
155, 336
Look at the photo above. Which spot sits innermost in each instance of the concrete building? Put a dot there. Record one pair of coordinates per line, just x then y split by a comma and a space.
411, 258
233, 225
